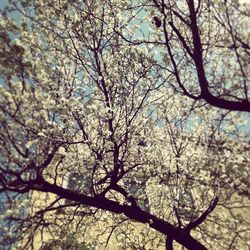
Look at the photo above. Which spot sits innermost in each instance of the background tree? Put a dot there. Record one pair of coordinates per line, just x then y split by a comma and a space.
196, 38
206, 44
97, 125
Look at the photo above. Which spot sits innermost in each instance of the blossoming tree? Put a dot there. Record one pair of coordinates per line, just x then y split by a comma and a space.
104, 124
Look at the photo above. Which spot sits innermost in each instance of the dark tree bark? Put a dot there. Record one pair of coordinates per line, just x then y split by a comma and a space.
169, 243
181, 236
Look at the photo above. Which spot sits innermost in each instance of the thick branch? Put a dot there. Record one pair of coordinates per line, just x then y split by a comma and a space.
169, 243
204, 86
225, 104
132, 212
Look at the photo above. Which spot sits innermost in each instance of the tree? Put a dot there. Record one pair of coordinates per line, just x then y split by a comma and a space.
95, 115
201, 37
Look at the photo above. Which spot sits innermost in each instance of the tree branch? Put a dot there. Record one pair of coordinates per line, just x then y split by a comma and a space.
203, 216
169, 243
131, 212
204, 86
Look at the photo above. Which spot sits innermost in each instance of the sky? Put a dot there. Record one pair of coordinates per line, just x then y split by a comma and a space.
3, 3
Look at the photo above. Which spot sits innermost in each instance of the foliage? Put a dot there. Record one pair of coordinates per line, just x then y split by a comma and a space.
108, 119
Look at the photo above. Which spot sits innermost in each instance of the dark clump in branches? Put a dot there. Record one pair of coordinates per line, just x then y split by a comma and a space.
157, 22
